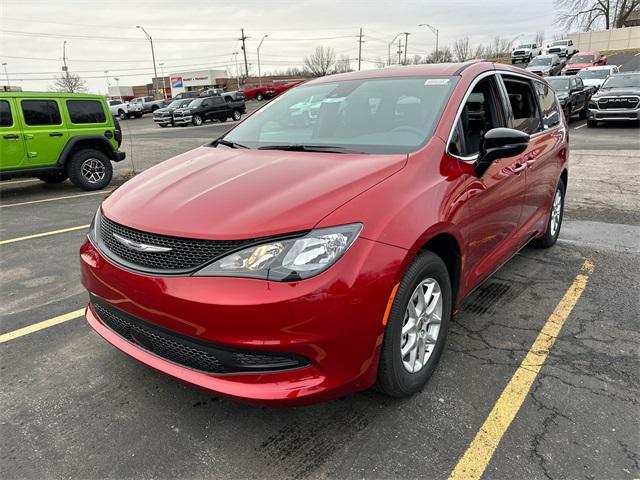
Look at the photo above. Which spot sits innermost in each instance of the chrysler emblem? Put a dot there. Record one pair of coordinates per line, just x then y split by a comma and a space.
140, 247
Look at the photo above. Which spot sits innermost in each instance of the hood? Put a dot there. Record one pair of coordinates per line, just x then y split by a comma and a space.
163, 110
224, 194
593, 82
578, 66
541, 68
621, 91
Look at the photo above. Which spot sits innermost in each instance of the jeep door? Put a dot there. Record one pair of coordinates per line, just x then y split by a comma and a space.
13, 152
45, 132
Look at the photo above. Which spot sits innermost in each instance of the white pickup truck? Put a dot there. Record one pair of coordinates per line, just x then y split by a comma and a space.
123, 110
525, 52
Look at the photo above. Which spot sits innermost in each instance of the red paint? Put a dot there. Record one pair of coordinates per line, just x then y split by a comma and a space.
598, 59
336, 319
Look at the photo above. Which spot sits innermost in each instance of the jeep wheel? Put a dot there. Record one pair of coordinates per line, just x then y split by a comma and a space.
259, 97
90, 170
54, 177
197, 120
236, 114
122, 114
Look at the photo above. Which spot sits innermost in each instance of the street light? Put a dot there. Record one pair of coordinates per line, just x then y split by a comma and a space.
106, 74
4, 64
153, 57
436, 32
164, 83
259, 73
118, 85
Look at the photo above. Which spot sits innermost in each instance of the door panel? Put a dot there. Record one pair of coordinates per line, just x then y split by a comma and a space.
12, 148
44, 131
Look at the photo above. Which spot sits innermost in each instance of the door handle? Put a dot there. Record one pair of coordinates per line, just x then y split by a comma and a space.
55, 134
518, 167
28, 136
11, 137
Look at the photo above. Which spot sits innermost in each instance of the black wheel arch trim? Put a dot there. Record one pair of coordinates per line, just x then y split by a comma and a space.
104, 143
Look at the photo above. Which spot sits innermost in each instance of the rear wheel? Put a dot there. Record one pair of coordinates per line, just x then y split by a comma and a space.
236, 114
90, 169
54, 177
122, 114
259, 97
555, 219
417, 327
197, 120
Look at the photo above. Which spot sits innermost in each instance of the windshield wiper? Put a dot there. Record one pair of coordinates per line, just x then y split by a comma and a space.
227, 143
309, 148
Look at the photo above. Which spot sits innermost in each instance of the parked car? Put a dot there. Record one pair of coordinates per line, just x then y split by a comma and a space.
525, 52
256, 92
208, 108
281, 265
583, 60
277, 89
595, 76
119, 108
234, 95
55, 136
618, 99
164, 116
562, 48
147, 104
545, 65
181, 96
573, 95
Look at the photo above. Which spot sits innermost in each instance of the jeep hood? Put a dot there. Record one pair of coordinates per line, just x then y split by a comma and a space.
223, 193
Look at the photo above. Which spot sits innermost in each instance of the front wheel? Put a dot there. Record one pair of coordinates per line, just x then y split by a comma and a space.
54, 177
417, 327
122, 114
90, 169
197, 120
259, 97
555, 219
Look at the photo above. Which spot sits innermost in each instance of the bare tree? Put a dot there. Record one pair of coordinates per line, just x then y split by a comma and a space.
462, 49
539, 37
590, 14
479, 51
69, 83
320, 62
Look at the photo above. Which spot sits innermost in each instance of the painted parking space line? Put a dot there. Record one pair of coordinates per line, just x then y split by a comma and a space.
21, 332
14, 182
473, 463
55, 199
580, 126
44, 234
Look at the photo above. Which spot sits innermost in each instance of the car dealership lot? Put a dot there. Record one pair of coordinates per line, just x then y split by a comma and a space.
74, 406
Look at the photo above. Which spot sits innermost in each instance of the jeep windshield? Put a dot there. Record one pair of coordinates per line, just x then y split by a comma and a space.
623, 81
377, 115
540, 62
581, 59
559, 84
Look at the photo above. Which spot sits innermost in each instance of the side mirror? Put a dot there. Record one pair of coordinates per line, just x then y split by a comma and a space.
499, 143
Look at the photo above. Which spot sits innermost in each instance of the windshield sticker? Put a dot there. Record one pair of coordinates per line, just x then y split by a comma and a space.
436, 81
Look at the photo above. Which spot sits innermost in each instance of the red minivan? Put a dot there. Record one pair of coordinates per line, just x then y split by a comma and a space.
290, 262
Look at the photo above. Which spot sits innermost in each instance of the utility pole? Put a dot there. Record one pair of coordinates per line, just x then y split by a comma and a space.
153, 57
436, 32
4, 64
244, 50
389, 48
164, 84
399, 50
259, 72
406, 41
65, 69
360, 42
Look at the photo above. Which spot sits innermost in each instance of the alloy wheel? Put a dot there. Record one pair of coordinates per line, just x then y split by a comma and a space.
556, 213
421, 325
93, 170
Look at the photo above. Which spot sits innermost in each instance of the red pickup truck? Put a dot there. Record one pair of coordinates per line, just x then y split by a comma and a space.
267, 91
583, 60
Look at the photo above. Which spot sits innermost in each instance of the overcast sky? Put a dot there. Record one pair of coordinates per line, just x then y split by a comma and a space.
197, 34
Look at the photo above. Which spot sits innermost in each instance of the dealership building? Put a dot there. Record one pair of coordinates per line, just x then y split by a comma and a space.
195, 81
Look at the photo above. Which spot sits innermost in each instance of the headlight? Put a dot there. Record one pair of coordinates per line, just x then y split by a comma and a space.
287, 259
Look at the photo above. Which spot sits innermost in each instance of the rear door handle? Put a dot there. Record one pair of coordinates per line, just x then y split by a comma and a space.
55, 134
11, 137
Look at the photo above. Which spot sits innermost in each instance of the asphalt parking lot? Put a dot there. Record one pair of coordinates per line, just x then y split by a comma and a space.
73, 406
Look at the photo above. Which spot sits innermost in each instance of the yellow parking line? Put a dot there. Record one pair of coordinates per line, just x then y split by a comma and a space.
5, 337
44, 234
475, 460
103, 192
580, 126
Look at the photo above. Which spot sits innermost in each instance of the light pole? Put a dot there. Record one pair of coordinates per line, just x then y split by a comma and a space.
436, 32
164, 84
4, 65
153, 57
259, 73
118, 85
65, 69
106, 75
389, 48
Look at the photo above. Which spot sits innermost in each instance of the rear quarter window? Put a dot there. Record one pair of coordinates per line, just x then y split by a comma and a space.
6, 120
86, 111
41, 112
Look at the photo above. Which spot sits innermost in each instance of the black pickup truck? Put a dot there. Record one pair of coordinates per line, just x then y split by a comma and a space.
209, 108
572, 94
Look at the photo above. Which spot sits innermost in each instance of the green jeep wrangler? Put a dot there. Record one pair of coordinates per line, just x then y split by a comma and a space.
55, 136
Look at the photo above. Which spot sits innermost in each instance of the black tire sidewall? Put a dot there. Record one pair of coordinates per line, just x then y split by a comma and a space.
393, 378
236, 113
548, 240
259, 97
196, 122
74, 169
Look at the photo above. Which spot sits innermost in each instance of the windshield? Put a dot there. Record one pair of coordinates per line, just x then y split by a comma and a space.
524, 45
540, 62
561, 43
559, 84
195, 103
380, 115
581, 59
622, 81
175, 104
586, 74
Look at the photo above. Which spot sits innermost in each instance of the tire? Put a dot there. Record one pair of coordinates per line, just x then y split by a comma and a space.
54, 177
592, 123
162, 125
197, 120
530, 57
394, 378
236, 114
222, 119
154, 108
585, 111
555, 220
567, 113
513, 62
122, 115
259, 97
90, 169
139, 115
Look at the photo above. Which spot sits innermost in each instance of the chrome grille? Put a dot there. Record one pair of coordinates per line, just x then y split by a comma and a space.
618, 102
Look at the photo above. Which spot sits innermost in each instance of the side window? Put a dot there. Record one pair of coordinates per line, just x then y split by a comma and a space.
41, 112
480, 114
218, 100
206, 103
579, 83
86, 111
5, 114
524, 107
548, 105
